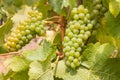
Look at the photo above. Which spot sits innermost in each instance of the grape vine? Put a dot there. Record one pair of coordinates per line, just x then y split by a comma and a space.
59, 39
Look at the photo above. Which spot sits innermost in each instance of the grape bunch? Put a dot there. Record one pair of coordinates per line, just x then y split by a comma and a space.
77, 32
98, 12
25, 31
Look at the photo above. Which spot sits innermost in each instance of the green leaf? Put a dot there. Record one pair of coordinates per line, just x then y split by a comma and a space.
112, 25
58, 40
71, 3
1, 76
88, 4
79, 74
88, 57
23, 75
43, 7
5, 29
39, 71
48, 75
57, 5
11, 6
109, 70
3, 50
96, 53
41, 53
18, 64
114, 7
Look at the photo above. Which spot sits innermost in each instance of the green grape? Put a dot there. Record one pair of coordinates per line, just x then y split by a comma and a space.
88, 16
98, 11
95, 12
79, 41
77, 32
13, 44
76, 45
76, 25
67, 31
25, 31
21, 43
74, 11
68, 63
38, 29
73, 39
80, 36
18, 46
76, 62
29, 36
72, 65
88, 33
76, 17
66, 38
82, 27
85, 37
72, 52
78, 49
72, 27
77, 54
81, 15
70, 34
67, 54
90, 26
86, 11
67, 48
82, 31
70, 58
98, 6
81, 9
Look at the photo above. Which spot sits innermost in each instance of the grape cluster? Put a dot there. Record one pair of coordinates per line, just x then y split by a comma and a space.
25, 31
77, 32
98, 12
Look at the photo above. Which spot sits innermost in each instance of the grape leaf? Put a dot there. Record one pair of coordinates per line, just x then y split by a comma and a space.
41, 53
56, 5
96, 53
3, 50
109, 70
1, 76
5, 29
43, 7
114, 7
23, 75
112, 25
58, 41
18, 64
88, 4
67, 3
88, 57
39, 71
48, 75
80, 74
21, 15
11, 6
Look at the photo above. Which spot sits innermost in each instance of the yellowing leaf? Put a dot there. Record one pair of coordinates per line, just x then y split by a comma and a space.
114, 7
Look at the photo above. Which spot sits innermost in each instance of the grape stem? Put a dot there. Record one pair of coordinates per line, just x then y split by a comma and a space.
56, 61
11, 53
54, 17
